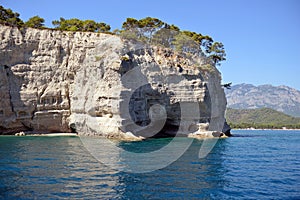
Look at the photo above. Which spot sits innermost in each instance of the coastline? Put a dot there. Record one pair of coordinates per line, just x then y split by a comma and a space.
54, 134
265, 129
128, 136
124, 137
18, 134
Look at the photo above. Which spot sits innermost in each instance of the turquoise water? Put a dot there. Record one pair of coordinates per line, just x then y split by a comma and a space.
251, 165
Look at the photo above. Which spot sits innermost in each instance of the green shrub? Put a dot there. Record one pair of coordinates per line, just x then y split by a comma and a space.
125, 58
98, 58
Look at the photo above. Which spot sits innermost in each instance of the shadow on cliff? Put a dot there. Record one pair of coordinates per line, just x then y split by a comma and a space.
140, 96
15, 116
140, 103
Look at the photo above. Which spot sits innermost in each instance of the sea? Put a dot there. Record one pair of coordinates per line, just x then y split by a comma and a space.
253, 164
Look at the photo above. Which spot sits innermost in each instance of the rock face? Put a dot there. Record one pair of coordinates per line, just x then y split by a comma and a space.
98, 84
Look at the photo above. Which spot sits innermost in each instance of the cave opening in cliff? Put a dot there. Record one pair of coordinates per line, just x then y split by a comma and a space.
140, 121
166, 121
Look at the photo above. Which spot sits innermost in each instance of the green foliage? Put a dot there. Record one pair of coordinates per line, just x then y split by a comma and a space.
130, 24
35, 22
184, 43
143, 29
203, 42
157, 32
263, 126
172, 27
165, 37
103, 27
98, 58
125, 58
133, 36
116, 32
8, 17
75, 24
149, 25
207, 68
217, 52
260, 118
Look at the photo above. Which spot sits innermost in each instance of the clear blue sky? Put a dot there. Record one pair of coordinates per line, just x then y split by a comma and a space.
261, 37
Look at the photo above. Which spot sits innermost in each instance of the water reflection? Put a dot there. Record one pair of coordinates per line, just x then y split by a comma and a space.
137, 157
188, 177
63, 168
52, 168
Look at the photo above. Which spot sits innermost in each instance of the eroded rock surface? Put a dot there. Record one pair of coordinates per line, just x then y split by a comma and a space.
97, 84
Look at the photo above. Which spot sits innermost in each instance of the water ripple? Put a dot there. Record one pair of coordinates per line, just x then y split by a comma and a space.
265, 166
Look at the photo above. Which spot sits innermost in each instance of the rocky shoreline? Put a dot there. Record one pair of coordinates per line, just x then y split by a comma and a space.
127, 137
45, 134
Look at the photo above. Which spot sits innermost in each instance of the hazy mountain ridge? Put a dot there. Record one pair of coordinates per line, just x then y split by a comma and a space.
281, 98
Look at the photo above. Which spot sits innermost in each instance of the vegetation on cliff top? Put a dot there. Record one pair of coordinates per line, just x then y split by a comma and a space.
157, 32
8, 17
260, 118
35, 22
149, 30
80, 25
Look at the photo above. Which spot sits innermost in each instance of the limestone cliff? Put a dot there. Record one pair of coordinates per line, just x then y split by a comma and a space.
98, 84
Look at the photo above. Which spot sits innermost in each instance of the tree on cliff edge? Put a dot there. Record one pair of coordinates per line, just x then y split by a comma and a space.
8, 17
35, 22
142, 29
217, 52
75, 24
165, 36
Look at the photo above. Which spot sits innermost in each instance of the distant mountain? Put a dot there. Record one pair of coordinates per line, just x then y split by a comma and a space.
260, 118
281, 98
